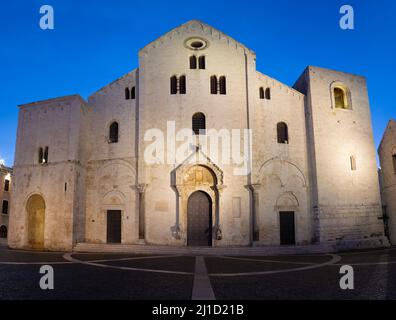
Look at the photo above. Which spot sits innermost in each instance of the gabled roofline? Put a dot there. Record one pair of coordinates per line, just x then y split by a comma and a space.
198, 22
113, 82
52, 100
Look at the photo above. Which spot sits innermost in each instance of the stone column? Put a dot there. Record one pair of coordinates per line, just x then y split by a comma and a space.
255, 225
142, 189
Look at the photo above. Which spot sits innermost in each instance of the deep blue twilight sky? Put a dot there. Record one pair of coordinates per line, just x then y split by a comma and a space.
96, 41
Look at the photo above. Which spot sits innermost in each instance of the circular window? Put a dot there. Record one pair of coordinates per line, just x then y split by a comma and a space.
196, 43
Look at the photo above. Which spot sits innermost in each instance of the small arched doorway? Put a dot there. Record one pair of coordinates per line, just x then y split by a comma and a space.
199, 219
35, 208
3, 232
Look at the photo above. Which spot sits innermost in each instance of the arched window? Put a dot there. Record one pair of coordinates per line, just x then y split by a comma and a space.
394, 163
41, 155
173, 85
133, 93
4, 209
339, 97
127, 94
261, 93
113, 136
199, 123
213, 85
283, 134
182, 85
3, 232
268, 94
353, 163
193, 62
201, 62
222, 81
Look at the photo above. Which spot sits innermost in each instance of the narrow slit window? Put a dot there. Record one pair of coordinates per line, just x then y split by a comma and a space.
261, 93
45, 160
353, 163
41, 155
133, 93
173, 85
193, 62
223, 86
201, 62
268, 94
4, 209
182, 85
213, 85
127, 94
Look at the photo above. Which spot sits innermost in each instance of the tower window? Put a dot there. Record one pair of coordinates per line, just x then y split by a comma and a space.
283, 134
193, 62
41, 155
45, 160
6, 185
4, 209
213, 85
222, 83
127, 94
268, 94
199, 123
201, 62
133, 93
113, 136
339, 97
261, 93
353, 163
182, 85
394, 163
173, 85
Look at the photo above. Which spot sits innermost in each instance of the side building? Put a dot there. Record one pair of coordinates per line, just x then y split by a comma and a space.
387, 156
5, 197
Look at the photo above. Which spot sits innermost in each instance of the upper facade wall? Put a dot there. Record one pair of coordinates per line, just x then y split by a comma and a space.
338, 134
56, 124
110, 105
169, 56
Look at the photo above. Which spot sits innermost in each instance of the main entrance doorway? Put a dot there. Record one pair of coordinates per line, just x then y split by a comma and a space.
114, 226
287, 228
199, 219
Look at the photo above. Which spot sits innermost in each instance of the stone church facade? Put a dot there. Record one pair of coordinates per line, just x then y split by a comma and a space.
81, 172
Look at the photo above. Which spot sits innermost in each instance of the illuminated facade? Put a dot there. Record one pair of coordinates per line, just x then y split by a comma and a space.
82, 175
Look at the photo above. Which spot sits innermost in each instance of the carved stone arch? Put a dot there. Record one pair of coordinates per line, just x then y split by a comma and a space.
113, 197
115, 174
189, 178
287, 200
282, 168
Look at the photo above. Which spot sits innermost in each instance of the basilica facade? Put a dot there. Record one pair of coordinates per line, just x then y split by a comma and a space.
301, 168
